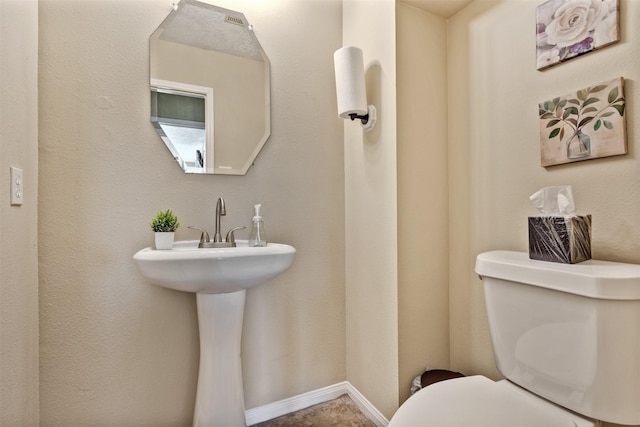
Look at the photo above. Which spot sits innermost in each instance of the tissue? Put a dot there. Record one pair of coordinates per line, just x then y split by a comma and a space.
559, 235
554, 200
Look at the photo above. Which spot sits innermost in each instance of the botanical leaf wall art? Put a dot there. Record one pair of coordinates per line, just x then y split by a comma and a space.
584, 125
569, 28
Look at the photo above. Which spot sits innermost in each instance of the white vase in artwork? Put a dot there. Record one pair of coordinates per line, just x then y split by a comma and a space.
579, 146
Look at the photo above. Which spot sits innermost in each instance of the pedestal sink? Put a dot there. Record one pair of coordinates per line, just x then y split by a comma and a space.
219, 277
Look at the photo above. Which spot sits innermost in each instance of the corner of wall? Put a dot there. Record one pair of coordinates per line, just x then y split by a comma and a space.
423, 231
371, 212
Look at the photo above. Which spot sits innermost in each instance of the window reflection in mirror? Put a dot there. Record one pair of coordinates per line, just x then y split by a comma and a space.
199, 49
179, 115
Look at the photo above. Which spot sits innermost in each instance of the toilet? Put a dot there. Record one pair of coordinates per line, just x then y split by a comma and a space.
565, 336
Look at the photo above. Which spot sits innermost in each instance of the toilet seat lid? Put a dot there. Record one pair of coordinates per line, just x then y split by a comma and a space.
479, 401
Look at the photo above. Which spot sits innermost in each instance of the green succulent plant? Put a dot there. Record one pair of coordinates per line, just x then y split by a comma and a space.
165, 222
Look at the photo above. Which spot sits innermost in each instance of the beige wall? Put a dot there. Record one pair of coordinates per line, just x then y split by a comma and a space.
18, 228
494, 161
423, 234
470, 345
115, 349
396, 190
371, 211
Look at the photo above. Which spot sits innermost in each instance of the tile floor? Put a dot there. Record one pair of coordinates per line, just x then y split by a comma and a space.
340, 412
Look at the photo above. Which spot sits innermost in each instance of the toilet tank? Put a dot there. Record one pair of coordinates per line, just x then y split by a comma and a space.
567, 332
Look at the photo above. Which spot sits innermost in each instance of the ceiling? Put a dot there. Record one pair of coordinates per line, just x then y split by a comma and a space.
443, 8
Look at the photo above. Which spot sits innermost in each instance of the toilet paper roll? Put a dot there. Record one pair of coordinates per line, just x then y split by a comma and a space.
350, 87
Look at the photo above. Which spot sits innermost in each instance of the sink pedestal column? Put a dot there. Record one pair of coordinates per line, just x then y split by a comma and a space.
220, 396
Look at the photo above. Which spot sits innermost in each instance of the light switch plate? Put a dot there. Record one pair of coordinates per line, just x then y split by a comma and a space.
17, 187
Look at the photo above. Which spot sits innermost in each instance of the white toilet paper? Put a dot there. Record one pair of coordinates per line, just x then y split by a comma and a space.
350, 86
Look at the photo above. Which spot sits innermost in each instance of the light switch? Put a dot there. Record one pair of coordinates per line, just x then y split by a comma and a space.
17, 187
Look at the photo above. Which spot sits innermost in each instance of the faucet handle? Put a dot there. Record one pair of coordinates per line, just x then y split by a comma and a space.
231, 238
204, 237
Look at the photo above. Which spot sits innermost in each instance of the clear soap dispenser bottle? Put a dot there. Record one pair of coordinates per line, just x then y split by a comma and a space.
258, 237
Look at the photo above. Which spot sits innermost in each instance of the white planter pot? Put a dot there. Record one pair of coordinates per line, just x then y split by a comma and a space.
164, 240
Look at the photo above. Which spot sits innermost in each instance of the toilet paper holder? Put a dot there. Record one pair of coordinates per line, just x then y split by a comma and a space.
350, 87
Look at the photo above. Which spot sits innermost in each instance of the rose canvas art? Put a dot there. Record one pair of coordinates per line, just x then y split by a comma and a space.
568, 28
584, 125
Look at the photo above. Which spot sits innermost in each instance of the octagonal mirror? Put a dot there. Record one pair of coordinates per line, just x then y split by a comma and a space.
210, 89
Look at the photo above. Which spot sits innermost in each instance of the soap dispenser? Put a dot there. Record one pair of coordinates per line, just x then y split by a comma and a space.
258, 237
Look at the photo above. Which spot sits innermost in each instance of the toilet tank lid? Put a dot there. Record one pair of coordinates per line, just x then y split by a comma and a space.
593, 278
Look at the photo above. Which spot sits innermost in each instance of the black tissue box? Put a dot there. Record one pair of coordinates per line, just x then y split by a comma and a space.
560, 239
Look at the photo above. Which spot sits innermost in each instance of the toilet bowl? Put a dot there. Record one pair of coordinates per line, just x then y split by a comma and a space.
478, 401
566, 339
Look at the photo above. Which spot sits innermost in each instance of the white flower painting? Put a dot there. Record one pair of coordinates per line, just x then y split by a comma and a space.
569, 28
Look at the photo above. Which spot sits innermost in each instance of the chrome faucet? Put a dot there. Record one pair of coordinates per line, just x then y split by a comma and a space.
218, 241
220, 211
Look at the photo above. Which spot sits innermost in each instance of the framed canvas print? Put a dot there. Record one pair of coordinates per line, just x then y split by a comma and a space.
584, 125
566, 29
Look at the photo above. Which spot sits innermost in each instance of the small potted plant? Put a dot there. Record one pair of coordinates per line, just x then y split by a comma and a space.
164, 224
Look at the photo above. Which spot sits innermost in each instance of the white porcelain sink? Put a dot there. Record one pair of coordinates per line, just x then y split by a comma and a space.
213, 270
219, 277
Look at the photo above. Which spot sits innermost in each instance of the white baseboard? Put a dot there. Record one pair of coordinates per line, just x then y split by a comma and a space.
321, 395
366, 407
